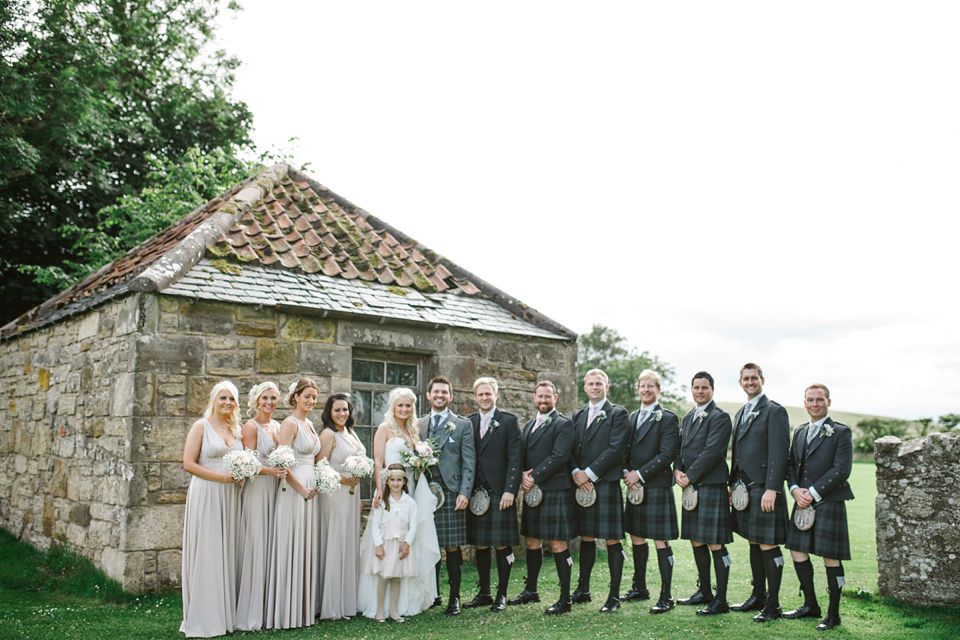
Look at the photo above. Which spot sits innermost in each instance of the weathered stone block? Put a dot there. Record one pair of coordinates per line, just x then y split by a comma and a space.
308, 329
256, 330
80, 515
127, 316
169, 564
276, 357
259, 315
476, 348
170, 354
144, 394
322, 360
208, 317
88, 325
198, 394
359, 334
154, 527
233, 363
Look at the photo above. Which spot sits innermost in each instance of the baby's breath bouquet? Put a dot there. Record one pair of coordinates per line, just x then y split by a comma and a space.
282, 457
242, 465
326, 477
357, 466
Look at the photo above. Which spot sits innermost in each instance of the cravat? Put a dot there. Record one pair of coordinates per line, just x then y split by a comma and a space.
484, 421
436, 426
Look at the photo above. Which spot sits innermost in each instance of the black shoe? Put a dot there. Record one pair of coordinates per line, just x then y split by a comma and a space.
612, 605
636, 593
437, 602
526, 596
560, 606
663, 605
803, 611
828, 623
482, 600
453, 609
698, 598
768, 614
579, 597
753, 603
500, 604
716, 607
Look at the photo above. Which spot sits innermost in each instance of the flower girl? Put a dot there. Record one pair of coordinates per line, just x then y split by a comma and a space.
394, 525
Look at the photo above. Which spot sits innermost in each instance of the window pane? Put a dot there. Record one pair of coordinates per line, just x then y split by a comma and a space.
367, 371
404, 375
361, 403
379, 406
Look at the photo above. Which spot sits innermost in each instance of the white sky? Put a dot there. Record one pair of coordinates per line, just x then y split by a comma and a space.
720, 182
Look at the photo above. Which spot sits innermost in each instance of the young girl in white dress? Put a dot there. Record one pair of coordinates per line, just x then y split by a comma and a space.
394, 526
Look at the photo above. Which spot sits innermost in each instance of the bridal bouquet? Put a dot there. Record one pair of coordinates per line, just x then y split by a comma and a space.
357, 466
283, 458
325, 477
242, 465
421, 457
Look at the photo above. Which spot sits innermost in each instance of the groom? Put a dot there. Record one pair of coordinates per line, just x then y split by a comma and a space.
454, 473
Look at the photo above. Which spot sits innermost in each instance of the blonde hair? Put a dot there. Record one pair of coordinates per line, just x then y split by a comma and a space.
488, 381
234, 420
253, 399
649, 373
390, 419
597, 372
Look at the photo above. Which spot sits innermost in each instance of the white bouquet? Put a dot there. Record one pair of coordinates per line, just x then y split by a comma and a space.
242, 465
357, 466
283, 458
326, 478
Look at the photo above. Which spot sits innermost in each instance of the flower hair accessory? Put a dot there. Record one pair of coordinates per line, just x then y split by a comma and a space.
396, 473
293, 387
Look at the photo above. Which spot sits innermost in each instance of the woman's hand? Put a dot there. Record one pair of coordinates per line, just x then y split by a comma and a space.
377, 498
349, 481
307, 493
380, 553
276, 472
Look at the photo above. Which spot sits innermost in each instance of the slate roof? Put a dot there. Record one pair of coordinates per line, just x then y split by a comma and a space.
284, 240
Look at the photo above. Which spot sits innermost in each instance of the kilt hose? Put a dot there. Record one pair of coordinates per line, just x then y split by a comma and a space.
451, 524
710, 521
758, 526
654, 518
552, 519
603, 519
829, 536
495, 528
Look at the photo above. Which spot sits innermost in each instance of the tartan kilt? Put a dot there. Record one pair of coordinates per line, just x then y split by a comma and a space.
495, 528
829, 536
552, 519
451, 525
604, 519
655, 517
758, 526
710, 521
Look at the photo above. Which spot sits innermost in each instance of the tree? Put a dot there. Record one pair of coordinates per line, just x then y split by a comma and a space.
604, 348
94, 93
872, 428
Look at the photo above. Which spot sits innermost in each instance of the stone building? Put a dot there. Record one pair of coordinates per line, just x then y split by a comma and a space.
277, 278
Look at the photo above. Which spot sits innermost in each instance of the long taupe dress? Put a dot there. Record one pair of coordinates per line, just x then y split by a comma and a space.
257, 502
294, 561
211, 530
340, 539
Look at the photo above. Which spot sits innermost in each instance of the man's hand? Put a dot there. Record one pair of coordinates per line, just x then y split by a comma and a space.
580, 478
526, 480
632, 478
462, 503
506, 500
681, 478
768, 500
803, 497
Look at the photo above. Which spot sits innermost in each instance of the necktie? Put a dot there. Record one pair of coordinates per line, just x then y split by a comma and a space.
436, 426
643, 417
746, 413
812, 432
536, 425
593, 414
484, 421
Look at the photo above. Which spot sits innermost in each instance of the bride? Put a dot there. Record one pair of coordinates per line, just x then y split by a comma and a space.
399, 433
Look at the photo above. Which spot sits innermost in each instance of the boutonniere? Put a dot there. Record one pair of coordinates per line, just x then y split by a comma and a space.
494, 424
701, 414
752, 416
657, 415
600, 415
546, 421
451, 427
826, 430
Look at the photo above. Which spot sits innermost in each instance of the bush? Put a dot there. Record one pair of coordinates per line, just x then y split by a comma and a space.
873, 428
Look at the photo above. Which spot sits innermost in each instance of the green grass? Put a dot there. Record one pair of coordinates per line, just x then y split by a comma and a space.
56, 596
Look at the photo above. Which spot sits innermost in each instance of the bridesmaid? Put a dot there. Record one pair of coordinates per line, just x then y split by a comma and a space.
211, 521
295, 541
257, 501
339, 514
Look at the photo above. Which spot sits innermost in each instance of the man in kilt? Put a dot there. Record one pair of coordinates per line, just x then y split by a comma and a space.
702, 464
454, 473
821, 456
499, 456
599, 446
548, 445
761, 442
654, 435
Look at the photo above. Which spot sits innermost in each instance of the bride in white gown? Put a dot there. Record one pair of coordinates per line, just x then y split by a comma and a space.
399, 433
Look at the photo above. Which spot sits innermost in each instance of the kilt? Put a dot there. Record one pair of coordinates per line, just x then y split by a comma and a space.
552, 519
710, 521
829, 536
451, 524
758, 526
495, 528
655, 517
604, 519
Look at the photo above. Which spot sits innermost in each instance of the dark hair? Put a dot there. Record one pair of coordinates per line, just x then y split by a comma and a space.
305, 383
326, 417
439, 380
751, 365
546, 383
704, 375
386, 494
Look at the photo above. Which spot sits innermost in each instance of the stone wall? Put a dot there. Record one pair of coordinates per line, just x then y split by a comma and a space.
94, 411
918, 512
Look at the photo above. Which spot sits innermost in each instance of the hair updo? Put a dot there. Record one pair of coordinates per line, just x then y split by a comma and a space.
297, 388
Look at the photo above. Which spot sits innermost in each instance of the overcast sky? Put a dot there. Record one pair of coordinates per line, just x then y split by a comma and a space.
720, 182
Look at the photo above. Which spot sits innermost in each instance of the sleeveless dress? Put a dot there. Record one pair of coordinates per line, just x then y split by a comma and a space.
257, 501
294, 559
416, 593
211, 528
340, 539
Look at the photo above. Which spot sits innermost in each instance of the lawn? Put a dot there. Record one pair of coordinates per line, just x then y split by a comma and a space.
42, 597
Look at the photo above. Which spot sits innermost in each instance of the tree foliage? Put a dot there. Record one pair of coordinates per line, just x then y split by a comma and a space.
604, 348
872, 428
95, 92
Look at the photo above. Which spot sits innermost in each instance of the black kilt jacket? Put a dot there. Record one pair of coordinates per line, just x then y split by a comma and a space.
824, 464
761, 446
547, 452
652, 446
702, 453
499, 453
602, 445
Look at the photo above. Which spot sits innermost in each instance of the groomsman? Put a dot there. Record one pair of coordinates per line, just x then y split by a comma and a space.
548, 445
702, 464
821, 456
458, 460
761, 442
655, 432
600, 441
499, 456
